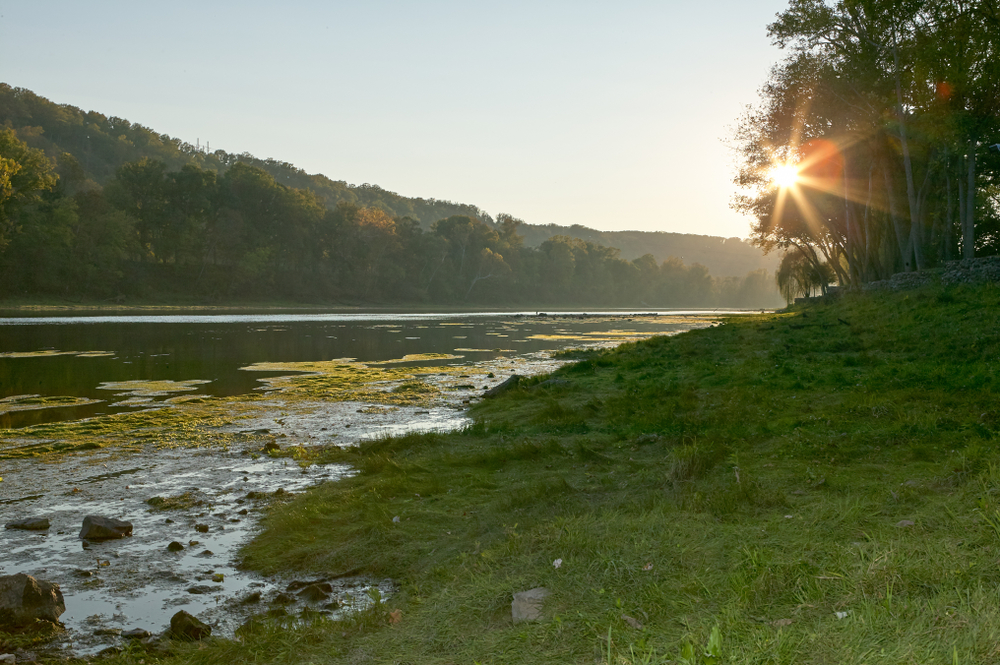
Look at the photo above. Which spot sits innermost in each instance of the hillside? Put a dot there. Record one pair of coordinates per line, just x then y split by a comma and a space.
90, 147
724, 257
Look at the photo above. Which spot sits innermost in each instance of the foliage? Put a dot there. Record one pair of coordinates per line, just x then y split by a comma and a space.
243, 235
885, 109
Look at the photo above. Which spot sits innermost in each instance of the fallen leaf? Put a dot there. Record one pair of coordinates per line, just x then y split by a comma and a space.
781, 623
904, 523
557, 563
395, 616
648, 566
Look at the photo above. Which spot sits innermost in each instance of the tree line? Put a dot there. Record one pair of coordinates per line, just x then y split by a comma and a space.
869, 151
242, 235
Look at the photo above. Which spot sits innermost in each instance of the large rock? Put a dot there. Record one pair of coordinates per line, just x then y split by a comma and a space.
24, 599
30, 524
104, 528
507, 385
527, 605
184, 626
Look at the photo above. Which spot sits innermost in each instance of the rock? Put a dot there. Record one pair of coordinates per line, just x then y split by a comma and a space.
206, 554
282, 599
316, 592
174, 546
252, 598
24, 599
184, 626
108, 631
527, 605
104, 528
203, 588
8, 658
136, 634
635, 623
501, 388
30, 524
201, 528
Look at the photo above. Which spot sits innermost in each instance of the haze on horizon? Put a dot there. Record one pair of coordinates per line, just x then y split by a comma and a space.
609, 116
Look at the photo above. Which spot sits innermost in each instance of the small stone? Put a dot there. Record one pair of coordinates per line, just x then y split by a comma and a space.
104, 528
902, 524
635, 623
206, 553
202, 588
315, 592
201, 528
527, 605
30, 524
108, 631
136, 634
174, 546
184, 626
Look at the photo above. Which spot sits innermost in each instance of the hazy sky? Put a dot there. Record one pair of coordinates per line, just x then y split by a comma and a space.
606, 114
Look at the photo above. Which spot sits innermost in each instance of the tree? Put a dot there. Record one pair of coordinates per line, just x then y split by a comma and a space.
25, 173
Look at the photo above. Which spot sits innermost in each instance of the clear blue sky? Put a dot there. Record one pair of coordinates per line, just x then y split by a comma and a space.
606, 114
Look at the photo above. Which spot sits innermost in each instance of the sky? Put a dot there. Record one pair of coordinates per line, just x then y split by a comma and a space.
613, 115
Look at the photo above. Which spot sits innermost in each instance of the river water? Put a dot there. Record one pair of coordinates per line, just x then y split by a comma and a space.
62, 377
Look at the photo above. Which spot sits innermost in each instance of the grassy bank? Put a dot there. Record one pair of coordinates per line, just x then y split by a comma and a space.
817, 486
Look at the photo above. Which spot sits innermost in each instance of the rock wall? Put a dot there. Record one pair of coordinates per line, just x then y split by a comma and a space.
965, 271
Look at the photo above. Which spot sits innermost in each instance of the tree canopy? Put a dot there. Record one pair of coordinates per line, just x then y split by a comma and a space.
881, 115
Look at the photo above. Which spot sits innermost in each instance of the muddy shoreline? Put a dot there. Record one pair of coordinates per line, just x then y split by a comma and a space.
207, 456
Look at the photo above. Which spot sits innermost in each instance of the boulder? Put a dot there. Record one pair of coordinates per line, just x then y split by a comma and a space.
104, 528
184, 626
24, 599
527, 605
509, 384
30, 524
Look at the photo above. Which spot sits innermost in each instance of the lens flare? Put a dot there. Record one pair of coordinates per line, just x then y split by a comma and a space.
785, 175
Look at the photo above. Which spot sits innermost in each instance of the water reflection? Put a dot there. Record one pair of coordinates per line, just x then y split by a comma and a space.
69, 367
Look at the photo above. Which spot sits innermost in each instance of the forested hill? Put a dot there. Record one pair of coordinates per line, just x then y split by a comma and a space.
724, 257
89, 147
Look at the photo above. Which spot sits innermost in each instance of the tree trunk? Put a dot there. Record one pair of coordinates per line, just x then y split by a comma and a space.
949, 215
911, 193
969, 223
902, 234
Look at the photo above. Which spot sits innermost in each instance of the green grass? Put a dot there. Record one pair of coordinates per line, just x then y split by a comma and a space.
815, 486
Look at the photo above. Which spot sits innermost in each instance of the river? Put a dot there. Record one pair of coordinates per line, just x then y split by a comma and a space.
99, 414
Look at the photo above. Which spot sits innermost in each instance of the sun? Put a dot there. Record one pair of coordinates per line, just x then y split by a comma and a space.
785, 175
